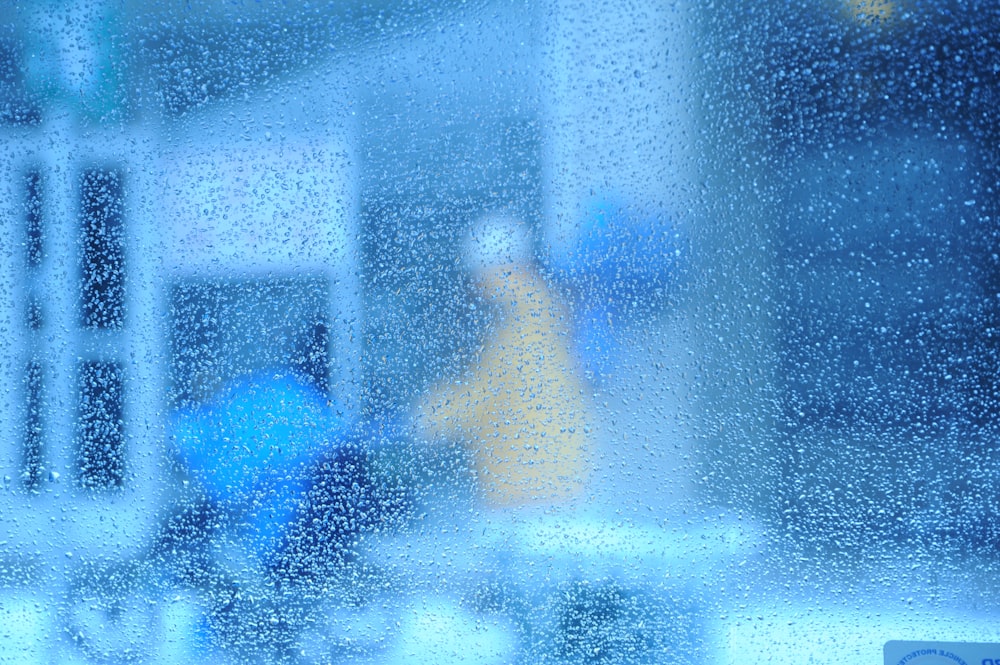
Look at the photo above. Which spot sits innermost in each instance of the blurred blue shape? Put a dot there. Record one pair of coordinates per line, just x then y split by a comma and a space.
251, 447
627, 250
621, 263
346, 496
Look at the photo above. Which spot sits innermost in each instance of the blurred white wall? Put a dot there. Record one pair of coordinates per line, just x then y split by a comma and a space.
619, 121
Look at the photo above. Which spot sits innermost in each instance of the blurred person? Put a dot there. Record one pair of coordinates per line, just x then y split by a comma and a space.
282, 488
250, 448
523, 411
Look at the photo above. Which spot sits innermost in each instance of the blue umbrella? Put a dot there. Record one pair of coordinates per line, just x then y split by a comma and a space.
251, 446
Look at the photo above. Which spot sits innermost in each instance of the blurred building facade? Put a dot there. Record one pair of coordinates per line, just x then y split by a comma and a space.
194, 194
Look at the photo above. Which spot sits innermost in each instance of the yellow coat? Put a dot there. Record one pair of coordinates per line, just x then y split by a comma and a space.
524, 411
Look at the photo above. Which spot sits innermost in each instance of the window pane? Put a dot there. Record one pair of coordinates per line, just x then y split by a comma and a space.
103, 249
102, 454
499, 332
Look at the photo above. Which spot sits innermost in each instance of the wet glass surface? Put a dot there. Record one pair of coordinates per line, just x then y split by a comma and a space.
498, 332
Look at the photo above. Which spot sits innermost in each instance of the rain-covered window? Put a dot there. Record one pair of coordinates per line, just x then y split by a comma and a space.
500, 332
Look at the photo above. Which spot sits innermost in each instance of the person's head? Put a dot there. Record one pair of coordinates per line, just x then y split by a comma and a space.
497, 242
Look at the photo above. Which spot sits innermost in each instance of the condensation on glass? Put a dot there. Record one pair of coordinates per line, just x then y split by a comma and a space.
499, 332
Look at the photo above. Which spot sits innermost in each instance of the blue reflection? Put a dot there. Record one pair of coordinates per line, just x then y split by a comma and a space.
621, 263
251, 445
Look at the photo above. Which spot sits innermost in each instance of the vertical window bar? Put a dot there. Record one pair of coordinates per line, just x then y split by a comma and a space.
32, 460
34, 314
103, 247
34, 240
312, 356
101, 429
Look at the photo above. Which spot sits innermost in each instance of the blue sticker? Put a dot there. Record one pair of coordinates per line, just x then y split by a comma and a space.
899, 652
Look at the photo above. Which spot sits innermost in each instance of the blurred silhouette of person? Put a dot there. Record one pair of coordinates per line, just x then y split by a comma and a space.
250, 448
524, 411
287, 479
